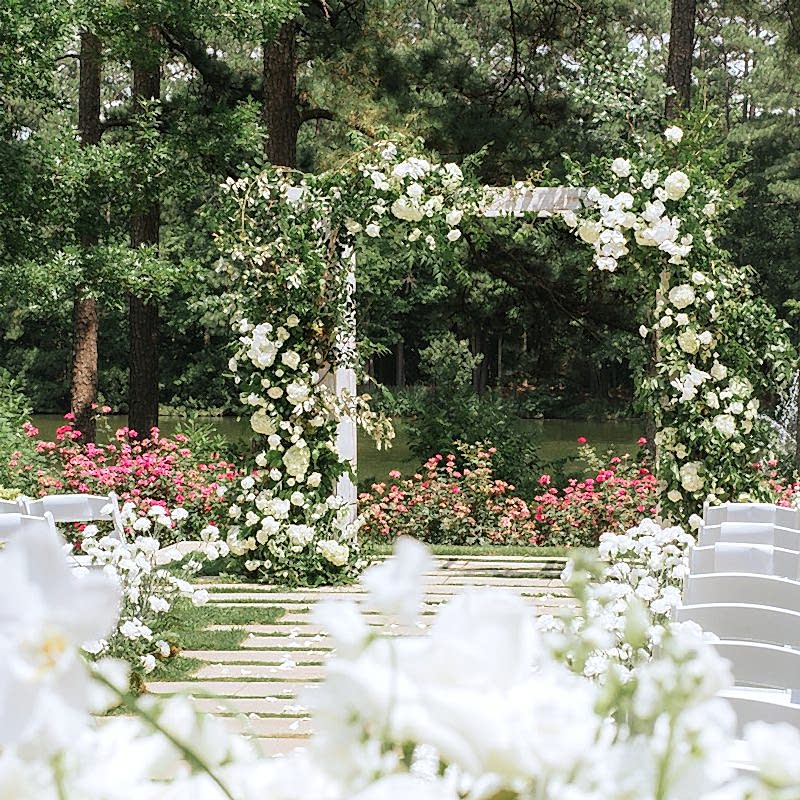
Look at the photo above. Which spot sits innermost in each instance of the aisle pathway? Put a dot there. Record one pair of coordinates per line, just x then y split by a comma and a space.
256, 687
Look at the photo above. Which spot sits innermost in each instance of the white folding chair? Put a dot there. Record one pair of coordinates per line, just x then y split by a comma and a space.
787, 517
767, 666
748, 558
744, 622
12, 525
750, 533
739, 512
738, 587
80, 508
761, 706
766, 678
12, 506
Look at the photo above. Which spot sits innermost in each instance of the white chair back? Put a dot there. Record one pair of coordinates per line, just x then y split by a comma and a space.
752, 706
12, 525
743, 622
787, 517
739, 512
12, 507
748, 558
80, 508
765, 665
750, 533
737, 587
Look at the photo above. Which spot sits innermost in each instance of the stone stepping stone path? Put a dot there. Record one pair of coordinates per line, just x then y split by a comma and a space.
257, 687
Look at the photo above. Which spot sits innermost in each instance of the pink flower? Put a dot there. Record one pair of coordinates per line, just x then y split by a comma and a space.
69, 415
641, 441
581, 440
395, 473
544, 480
30, 429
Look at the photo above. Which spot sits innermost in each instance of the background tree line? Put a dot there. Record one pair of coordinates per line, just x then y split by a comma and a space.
118, 121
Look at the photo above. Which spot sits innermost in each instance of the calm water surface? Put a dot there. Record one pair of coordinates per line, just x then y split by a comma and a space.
557, 437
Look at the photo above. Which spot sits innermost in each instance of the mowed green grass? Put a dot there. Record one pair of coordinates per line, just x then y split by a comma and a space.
191, 630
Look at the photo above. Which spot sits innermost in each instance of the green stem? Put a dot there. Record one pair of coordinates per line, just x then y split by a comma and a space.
192, 758
661, 788
58, 776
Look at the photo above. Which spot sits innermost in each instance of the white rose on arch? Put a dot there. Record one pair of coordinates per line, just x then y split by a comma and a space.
621, 167
290, 359
454, 216
691, 480
297, 393
725, 424
681, 296
403, 209
676, 184
673, 134
589, 231
688, 341
297, 460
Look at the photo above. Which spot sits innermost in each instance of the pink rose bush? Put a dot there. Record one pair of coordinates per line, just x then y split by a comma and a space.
448, 504
618, 493
157, 478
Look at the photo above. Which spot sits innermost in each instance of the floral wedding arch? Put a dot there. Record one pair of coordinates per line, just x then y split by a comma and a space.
652, 221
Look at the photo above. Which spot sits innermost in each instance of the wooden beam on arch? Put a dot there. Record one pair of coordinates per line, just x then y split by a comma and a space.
521, 200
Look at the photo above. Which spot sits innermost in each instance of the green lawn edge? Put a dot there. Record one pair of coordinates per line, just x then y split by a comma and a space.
532, 551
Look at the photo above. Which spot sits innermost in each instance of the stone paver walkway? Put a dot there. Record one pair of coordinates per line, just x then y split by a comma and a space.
256, 687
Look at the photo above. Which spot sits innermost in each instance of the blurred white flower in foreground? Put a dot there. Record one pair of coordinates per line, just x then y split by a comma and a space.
46, 613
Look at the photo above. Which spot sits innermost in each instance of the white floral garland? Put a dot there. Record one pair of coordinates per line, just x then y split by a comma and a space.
288, 524
714, 348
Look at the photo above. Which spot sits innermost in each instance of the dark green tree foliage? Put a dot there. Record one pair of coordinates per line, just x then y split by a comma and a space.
527, 80
449, 411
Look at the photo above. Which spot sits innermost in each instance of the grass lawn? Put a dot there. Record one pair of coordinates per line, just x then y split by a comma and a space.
489, 550
191, 630
374, 465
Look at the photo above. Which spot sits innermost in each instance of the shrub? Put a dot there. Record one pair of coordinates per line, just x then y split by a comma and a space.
449, 504
150, 597
16, 434
158, 471
449, 411
618, 492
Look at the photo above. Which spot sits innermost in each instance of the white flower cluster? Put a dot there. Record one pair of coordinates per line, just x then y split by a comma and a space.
148, 592
701, 385
157, 521
477, 709
275, 529
282, 510
414, 190
643, 217
642, 574
299, 279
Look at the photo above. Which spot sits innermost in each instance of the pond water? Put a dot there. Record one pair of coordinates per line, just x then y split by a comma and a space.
556, 437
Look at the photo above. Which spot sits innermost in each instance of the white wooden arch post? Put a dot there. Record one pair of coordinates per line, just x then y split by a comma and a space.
510, 201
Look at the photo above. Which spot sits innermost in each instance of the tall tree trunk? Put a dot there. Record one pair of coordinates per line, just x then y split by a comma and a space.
280, 115
480, 375
679, 62
400, 364
499, 358
143, 315
85, 319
